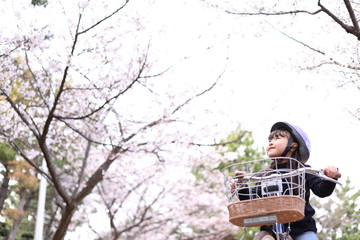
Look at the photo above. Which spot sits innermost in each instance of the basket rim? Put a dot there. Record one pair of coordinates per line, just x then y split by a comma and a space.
259, 160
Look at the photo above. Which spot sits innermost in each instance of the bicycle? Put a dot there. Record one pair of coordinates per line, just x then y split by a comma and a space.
270, 196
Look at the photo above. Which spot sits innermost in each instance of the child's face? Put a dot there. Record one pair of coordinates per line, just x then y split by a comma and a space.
277, 145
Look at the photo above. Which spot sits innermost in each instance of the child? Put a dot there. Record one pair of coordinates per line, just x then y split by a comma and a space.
286, 140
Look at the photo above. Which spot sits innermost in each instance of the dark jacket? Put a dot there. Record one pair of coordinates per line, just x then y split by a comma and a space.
320, 188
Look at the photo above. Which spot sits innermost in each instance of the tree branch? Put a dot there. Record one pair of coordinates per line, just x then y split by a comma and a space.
97, 176
298, 41
35, 80
199, 94
37, 168
107, 101
82, 170
105, 18
42, 138
138, 221
33, 128
352, 16
347, 28
273, 13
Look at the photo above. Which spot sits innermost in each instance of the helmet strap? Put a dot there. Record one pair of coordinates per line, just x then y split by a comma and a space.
288, 147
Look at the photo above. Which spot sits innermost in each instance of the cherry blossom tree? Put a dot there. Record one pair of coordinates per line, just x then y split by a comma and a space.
157, 200
78, 92
166, 200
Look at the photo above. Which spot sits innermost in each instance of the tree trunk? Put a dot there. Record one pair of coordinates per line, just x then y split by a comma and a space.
65, 220
13, 230
4, 190
21, 208
70, 208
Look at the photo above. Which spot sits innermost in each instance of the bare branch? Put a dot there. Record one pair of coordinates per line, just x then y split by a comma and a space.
347, 28
106, 102
105, 18
354, 30
42, 138
109, 206
138, 221
163, 119
199, 94
97, 176
298, 41
352, 16
151, 124
82, 170
273, 13
33, 128
23, 155
35, 79
83, 135
332, 61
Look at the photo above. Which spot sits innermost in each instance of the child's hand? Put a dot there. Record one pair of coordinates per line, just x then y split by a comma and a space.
332, 172
237, 179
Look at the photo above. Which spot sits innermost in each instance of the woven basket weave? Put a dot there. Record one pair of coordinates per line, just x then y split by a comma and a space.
286, 208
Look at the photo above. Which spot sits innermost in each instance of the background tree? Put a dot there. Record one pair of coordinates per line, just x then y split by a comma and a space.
338, 216
6, 156
39, 2
23, 193
143, 202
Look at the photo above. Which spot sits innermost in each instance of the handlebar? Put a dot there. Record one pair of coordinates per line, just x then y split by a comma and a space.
309, 170
320, 173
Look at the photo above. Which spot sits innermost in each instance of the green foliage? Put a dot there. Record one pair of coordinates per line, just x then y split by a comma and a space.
26, 229
27, 236
39, 2
241, 142
339, 217
243, 234
24, 180
197, 172
4, 229
6, 153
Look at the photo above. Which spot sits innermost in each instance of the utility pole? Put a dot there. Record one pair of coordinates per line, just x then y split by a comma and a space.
40, 214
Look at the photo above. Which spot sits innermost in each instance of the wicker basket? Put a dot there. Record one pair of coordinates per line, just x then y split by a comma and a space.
286, 208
